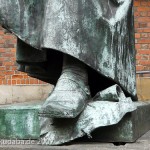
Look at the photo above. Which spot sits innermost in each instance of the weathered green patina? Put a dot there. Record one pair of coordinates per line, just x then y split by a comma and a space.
20, 121
99, 33
94, 43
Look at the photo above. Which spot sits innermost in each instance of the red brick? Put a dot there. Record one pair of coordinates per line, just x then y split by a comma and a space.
143, 3
143, 40
137, 35
2, 59
14, 82
2, 76
136, 25
9, 82
142, 28
145, 57
143, 14
148, 24
8, 63
13, 50
1, 32
2, 68
2, 41
2, 50
27, 81
9, 55
138, 56
35, 81
9, 72
14, 68
8, 36
17, 76
137, 14
22, 81
1, 45
4, 82
139, 68
143, 19
144, 35
145, 46
142, 8
144, 62
18, 82
137, 46
144, 52
1, 81
137, 3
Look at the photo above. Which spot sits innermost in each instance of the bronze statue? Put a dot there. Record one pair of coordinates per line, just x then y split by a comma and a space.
81, 46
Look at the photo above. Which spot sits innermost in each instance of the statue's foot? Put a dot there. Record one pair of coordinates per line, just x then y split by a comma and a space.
67, 100
69, 96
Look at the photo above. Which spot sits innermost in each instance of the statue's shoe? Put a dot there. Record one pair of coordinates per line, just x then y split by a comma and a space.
68, 98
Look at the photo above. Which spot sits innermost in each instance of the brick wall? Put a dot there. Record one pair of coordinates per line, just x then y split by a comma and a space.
8, 67
9, 75
142, 33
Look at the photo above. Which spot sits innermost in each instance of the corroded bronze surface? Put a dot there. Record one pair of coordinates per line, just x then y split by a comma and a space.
71, 93
100, 33
99, 113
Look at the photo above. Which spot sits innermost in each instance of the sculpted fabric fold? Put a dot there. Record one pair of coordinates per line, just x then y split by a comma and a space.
99, 33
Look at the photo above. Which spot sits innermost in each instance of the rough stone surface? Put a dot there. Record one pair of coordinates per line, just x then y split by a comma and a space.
143, 88
9, 93
20, 121
14, 120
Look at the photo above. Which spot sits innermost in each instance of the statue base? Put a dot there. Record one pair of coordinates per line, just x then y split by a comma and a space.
129, 129
20, 121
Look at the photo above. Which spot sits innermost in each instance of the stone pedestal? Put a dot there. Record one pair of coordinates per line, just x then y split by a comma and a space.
129, 129
21, 121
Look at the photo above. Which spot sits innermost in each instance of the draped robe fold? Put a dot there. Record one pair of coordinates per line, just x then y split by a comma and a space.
99, 33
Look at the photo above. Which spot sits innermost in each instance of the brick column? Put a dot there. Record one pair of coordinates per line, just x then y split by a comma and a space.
8, 67
142, 34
